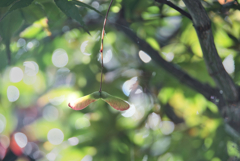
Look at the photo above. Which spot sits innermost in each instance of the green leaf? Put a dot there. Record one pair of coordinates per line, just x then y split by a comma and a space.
69, 8
83, 102
5, 3
18, 5
115, 102
10, 25
85, 5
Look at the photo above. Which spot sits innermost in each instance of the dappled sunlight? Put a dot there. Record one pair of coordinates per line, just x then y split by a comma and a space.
163, 105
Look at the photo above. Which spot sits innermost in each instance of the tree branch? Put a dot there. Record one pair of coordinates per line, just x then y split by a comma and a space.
170, 4
214, 64
204, 89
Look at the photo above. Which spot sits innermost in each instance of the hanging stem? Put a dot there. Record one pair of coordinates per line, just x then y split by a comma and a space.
101, 48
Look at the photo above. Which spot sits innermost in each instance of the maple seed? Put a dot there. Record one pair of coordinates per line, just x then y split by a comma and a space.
115, 102
83, 102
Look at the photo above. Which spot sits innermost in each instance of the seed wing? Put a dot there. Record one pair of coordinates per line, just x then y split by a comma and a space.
116, 103
81, 103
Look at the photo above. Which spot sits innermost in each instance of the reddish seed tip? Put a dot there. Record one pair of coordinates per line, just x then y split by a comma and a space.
69, 105
101, 50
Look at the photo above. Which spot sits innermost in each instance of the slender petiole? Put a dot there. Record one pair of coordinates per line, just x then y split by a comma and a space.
101, 47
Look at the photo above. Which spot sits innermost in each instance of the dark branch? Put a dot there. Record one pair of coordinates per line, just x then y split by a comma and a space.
169, 111
204, 89
170, 4
214, 64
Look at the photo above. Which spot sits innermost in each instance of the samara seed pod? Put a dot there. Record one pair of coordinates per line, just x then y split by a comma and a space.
115, 102
83, 102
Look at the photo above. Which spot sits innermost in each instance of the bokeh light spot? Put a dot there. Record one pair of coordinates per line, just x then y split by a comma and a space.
73, 141
31, 68
130, 112
59, 58
87, 158
50, 113
28, 149
128, 85
144, 56
228, 64
82, 122
169, 57
51, 156
167, 127
138, 91
95, 4
83, 47
21, 42
106, 56
55, 136
16, 74
57, 100
21, 139
153, 120
12, 93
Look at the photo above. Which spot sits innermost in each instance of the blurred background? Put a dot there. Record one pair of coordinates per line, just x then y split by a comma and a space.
48, 59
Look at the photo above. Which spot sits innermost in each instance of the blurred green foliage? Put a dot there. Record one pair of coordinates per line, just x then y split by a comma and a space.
63, 38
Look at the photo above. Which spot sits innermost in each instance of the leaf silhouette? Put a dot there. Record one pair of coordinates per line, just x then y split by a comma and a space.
70, 10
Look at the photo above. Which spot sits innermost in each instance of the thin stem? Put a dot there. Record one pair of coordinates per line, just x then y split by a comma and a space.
101, 48
170, 4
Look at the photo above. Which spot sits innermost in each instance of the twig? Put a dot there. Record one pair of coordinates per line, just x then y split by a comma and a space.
170, 4
101, 49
